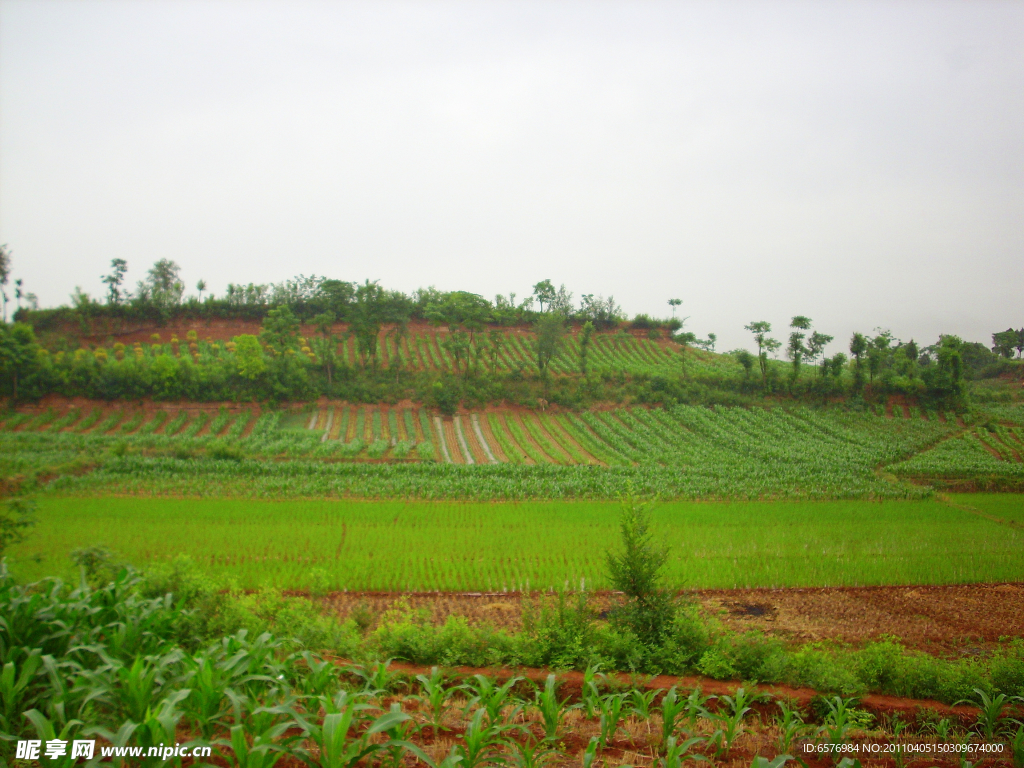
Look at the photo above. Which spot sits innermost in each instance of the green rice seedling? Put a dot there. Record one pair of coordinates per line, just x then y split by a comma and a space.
434, 695
677, 752
791, 726
991, 722
490, 697
552, 709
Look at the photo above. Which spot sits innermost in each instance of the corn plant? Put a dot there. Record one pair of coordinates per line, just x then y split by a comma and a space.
590, 752
990, 712
482, 742
776, 762
839, 720
314, 676
45, 731
490, 697
672, 708
1017, 747
260, 750
552, 710
696, 706
343, 742
15, 693
591, 694
729, 718
532, 753
434, 696
641, 703
791, 726
376, 678
676, 752
611, 713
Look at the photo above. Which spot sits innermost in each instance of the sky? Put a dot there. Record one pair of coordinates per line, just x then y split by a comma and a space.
858, 163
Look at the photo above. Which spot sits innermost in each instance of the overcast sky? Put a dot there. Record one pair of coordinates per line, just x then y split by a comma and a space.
860, 163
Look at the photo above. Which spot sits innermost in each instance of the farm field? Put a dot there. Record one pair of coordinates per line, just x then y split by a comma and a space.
496, 547
337, 450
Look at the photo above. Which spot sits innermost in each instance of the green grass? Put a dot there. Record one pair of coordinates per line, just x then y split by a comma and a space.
473, 546
1005, 506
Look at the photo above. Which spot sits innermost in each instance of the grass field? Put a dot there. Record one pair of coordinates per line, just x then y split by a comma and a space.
452, 546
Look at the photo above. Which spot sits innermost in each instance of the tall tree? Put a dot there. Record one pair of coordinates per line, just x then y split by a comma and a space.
544, 292
858, 347
325, 345
765, 345
118, 268
280, 330
1003, 343
5, 275
550, 330
674, 303
796, 350
163, 286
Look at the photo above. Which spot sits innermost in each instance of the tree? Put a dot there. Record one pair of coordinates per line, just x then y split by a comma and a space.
765, 345
544, 292
369, 310
19, 356
163, 286
465, 314
603, 313
280, 330
674, 303
796, 350
858, 347
326, 344
249, 357
586, 336
637, 571
118, 268
745, 359
816, 346
1003, 343
550, 330
5, 274
201, 287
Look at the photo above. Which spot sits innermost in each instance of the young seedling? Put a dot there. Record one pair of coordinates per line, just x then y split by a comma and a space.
376, 678
551, 709
641, 703
764, 762
696, 706
532, 753
730, 718
483, 742
676, 752
990, 716
434, 695
672, 708
593, 678
490, 697
838, 722
791, 726
611, 713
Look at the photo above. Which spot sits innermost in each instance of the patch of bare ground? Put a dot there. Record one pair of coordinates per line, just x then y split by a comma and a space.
951, 620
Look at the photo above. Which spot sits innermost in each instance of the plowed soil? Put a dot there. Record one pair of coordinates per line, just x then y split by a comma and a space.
957, 620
